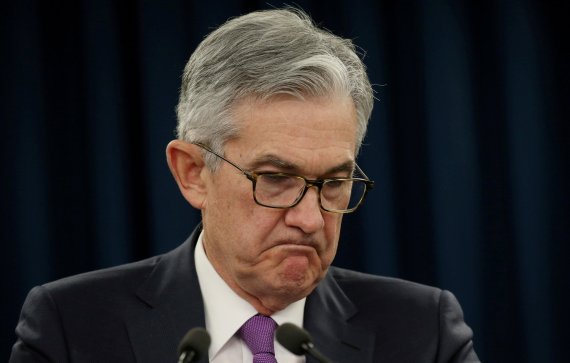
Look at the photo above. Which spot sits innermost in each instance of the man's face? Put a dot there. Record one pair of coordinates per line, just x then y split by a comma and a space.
273, 257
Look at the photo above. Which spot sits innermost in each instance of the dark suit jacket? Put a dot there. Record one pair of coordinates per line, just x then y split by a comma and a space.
140, 311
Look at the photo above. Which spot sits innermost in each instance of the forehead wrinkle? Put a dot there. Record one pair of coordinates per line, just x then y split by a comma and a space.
347, 166
273, 160
276, 161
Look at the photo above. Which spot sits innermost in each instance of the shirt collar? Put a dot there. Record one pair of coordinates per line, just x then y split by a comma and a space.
225, 310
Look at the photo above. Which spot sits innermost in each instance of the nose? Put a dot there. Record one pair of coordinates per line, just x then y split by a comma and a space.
307, 215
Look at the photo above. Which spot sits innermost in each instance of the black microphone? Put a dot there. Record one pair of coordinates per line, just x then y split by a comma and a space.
194, 345
298, 341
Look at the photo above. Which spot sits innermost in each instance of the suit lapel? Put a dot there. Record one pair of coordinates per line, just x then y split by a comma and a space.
173, 305
327, 314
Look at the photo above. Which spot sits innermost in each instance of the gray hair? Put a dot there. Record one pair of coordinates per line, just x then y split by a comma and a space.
261, 55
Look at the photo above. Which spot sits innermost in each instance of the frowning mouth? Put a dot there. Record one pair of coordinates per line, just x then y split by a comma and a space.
298, 246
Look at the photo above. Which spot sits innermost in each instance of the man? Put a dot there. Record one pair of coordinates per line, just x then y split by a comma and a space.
272, 113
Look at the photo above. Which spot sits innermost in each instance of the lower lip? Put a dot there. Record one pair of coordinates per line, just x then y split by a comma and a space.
291, 248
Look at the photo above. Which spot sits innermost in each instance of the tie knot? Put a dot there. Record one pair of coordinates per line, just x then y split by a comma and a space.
258, 333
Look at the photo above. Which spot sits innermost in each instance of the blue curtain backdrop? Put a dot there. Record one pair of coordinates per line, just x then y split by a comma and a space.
469, 146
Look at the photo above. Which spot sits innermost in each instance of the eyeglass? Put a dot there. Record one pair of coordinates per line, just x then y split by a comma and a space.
283, 190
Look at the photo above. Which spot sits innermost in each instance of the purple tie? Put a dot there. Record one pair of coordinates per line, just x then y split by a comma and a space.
258, 333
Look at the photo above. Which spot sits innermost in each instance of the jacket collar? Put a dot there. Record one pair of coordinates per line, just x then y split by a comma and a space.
327, 318
156, 331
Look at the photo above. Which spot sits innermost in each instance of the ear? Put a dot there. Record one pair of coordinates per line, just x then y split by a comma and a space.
187, 165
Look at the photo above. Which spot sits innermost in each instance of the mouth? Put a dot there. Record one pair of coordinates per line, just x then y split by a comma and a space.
298, 246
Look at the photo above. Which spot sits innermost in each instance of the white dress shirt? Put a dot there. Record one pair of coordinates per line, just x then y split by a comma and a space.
226, 312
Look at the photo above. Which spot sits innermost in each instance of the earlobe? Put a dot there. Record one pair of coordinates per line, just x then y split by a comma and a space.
186, 164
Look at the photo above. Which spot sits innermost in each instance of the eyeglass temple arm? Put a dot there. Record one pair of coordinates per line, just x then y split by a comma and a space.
370, 183
247, 173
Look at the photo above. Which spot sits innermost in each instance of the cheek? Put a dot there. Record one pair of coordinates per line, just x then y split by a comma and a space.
332, 234
252, 225
232, 203
332, 226
260, 224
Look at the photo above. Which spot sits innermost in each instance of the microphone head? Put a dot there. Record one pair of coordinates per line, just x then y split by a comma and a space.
196, 340
293, 338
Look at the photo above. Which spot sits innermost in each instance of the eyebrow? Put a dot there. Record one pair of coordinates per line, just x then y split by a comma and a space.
277, 162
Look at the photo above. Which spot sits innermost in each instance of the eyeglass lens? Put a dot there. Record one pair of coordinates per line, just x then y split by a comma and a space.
276, 190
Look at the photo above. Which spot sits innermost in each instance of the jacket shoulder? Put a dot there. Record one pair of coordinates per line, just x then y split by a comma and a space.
119, 278
368, 287
428, 318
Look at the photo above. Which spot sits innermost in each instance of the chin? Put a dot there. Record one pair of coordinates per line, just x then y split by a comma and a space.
298, 285
298, 271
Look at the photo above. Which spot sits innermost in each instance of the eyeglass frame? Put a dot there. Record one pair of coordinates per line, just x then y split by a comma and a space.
318, 183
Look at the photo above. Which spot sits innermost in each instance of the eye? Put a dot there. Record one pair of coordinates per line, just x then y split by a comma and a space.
275, 179
334, 184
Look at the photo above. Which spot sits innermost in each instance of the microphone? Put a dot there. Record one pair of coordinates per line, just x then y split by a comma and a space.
194, 345
298, 341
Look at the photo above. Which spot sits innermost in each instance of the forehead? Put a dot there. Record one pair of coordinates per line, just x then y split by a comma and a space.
311, 135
